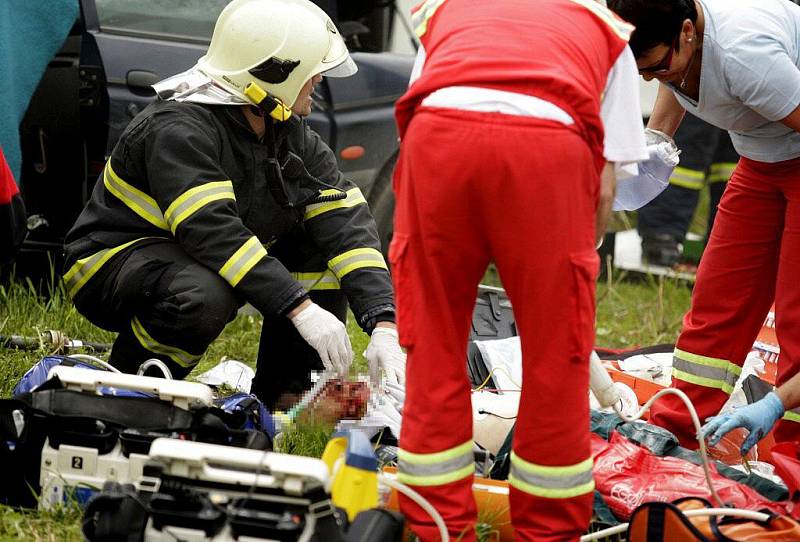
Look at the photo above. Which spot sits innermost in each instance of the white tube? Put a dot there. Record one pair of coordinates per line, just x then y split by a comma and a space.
603, 387
695, 421
731, 512
153, 362
95, 360
421, 501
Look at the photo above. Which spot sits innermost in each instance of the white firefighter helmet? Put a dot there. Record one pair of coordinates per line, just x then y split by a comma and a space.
264, 49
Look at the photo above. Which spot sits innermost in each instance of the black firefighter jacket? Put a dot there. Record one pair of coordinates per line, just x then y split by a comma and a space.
199, 175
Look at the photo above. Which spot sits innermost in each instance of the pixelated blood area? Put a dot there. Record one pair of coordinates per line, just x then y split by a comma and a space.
339, 400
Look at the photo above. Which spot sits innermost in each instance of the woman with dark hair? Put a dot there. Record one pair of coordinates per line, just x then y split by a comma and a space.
736, 65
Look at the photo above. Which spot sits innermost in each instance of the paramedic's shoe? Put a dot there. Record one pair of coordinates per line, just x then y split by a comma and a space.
661, 249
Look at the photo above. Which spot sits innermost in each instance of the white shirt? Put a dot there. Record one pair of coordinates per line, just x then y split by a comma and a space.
750, 75
624, 136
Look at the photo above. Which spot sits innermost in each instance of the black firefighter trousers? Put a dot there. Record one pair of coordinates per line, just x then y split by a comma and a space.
161, 297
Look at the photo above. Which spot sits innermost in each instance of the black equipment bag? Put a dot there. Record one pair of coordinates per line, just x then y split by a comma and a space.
492, 319
69, 417
375, 525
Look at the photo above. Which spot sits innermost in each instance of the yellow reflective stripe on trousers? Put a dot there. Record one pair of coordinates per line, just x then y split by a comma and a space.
420, 17
354, 197
181, 357
552, 482
437, 468
705, 371
687, 178
136, 200
356, 259
721, 172
242, 261
85, 268
319, 280
617, 25
196, 198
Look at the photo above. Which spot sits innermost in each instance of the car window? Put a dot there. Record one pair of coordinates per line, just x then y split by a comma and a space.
365, 24
176, 19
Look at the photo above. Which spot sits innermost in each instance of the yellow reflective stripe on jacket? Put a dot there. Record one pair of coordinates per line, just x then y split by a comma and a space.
356, 259
705, 371
688, 178
792, 415
552, 482
436, 468
85, 268
617, 25
354, 197
194, 199
423, 14
181, 357
242, 261
721, 172
136, 200
318, 280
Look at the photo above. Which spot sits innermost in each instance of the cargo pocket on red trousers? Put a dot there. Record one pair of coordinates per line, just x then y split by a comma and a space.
403, 284
585, 268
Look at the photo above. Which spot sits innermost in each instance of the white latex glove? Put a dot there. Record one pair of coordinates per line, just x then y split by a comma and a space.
635, 191
327, 335
384, 352
653, 137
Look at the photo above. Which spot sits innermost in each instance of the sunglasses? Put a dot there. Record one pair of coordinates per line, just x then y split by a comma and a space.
663, 66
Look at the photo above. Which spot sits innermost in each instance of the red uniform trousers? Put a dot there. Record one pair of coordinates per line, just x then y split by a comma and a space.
752, 257
473, 188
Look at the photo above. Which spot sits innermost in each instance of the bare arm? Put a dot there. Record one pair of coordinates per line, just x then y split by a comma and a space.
608, 188
667, 112
789, 392
793, 119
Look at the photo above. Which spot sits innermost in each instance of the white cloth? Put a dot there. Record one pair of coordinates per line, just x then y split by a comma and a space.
750, 75
489, 100
621, 113
231, 373
620, 110
327, 335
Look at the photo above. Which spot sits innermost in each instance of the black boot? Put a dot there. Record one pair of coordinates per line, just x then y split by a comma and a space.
661, 249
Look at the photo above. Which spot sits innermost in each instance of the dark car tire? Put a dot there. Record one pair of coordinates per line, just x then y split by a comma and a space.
381, 202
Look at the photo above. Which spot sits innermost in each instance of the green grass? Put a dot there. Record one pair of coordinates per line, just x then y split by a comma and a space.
52, 526
629, 314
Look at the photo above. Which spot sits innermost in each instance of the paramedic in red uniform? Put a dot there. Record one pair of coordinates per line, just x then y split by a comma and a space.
502, 148
12, 213
736, 65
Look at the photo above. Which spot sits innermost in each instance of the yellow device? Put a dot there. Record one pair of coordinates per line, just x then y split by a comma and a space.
354, 469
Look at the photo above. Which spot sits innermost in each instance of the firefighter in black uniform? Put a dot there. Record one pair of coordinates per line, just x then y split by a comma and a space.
219, 194
707, 157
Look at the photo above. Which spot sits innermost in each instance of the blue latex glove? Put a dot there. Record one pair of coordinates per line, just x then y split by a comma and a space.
757, 418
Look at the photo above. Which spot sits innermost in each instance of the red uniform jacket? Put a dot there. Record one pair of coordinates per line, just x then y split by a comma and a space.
558, 50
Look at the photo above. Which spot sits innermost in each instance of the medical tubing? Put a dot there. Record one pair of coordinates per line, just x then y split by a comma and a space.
731, 512
97, 361
695, 421
153, 362
421, 501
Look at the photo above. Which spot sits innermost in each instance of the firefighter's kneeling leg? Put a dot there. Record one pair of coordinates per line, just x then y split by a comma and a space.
173, 309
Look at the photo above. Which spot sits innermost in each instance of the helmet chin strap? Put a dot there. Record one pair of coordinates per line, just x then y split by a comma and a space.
270, 104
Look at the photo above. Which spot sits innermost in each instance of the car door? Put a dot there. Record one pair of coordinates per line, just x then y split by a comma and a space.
141, 42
